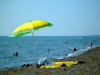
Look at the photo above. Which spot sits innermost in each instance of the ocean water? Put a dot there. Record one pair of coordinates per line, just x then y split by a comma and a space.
27, 54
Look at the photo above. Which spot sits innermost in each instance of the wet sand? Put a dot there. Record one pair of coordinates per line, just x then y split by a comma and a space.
90, 66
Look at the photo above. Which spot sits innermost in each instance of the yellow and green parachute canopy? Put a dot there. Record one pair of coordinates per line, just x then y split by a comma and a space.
29, 27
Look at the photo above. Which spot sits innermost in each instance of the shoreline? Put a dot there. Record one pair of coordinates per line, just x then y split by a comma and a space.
73, 54
91, 67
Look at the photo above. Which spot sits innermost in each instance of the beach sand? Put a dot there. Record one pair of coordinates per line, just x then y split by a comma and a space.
91, 66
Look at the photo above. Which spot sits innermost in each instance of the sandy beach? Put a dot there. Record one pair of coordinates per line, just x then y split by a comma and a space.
90, 66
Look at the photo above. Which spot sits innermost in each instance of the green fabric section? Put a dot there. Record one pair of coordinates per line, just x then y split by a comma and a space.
18, 34
48, 25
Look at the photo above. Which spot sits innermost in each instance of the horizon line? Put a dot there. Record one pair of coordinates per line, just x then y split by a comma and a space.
56, 35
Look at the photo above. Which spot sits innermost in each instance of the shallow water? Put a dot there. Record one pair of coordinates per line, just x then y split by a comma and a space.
27, 54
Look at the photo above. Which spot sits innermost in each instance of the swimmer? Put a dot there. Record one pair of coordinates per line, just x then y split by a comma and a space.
74, 49
16, 54
48, 50
85, 43
66, 43
6, 44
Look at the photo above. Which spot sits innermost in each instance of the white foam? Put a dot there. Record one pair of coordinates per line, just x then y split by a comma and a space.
79, 52
60, 57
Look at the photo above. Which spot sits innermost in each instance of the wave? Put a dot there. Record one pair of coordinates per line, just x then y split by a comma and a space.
81, 51
78, 52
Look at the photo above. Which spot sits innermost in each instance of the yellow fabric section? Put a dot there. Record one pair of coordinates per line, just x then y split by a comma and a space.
38, 23
23, 27
58, 64
32, 25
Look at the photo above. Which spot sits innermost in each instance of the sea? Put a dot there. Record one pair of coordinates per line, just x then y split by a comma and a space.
59, 47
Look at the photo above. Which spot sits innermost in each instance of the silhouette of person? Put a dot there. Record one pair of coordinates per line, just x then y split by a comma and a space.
48, 50
74, 49
85, 43
91, 44
16, 54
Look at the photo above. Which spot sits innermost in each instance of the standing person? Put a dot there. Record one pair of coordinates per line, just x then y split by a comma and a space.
91, 44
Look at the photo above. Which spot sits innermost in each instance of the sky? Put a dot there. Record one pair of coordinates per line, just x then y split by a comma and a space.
69, 17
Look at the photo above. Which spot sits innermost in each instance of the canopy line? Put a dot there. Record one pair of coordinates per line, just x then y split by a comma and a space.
35, 45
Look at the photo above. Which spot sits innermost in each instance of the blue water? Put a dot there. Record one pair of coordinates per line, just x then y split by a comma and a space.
27, 54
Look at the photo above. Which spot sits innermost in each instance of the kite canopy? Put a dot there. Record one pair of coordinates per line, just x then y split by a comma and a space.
29, 27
